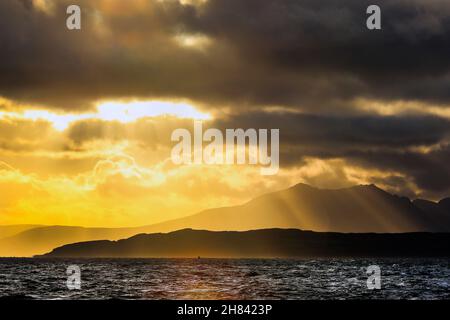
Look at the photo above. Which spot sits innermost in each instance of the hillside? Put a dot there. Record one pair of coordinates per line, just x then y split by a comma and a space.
357, 209
11, 230
268, 243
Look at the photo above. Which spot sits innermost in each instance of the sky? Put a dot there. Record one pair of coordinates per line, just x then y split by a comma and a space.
86, 116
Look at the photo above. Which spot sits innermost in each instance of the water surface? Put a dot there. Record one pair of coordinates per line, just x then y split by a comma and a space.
225, 279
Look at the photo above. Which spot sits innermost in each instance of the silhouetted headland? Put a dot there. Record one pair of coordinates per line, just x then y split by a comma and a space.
267, 243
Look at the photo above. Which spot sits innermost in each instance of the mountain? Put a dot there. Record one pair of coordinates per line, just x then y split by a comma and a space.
364, 208
268, 243
41, 239
8, 231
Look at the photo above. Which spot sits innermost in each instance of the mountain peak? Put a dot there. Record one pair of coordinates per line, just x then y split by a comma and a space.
305, 186
302, 185
371, 186
362, 208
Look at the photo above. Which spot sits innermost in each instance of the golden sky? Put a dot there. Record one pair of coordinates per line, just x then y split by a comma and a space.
86, 116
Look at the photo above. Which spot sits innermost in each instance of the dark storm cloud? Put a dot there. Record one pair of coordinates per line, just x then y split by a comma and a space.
315, 132
273, 52
357, 131
408, 59
415, 148
315, 56
392, 144
430, 171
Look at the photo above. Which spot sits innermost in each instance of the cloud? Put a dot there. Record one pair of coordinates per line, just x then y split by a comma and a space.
412, 146
412, 149
353, 105
118, 191
288, 52
429, 171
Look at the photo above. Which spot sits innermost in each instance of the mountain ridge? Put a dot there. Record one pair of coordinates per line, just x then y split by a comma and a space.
363, 208
265, 243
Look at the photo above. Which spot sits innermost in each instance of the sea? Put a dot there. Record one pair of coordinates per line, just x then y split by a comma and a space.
201, 278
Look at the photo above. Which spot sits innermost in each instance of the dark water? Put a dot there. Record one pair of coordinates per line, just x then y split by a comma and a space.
225, 279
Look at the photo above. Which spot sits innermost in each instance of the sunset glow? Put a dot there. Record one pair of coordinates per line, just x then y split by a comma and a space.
86, 116
112, 111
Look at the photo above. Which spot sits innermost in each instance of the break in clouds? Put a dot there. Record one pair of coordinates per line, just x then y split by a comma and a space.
376, 99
